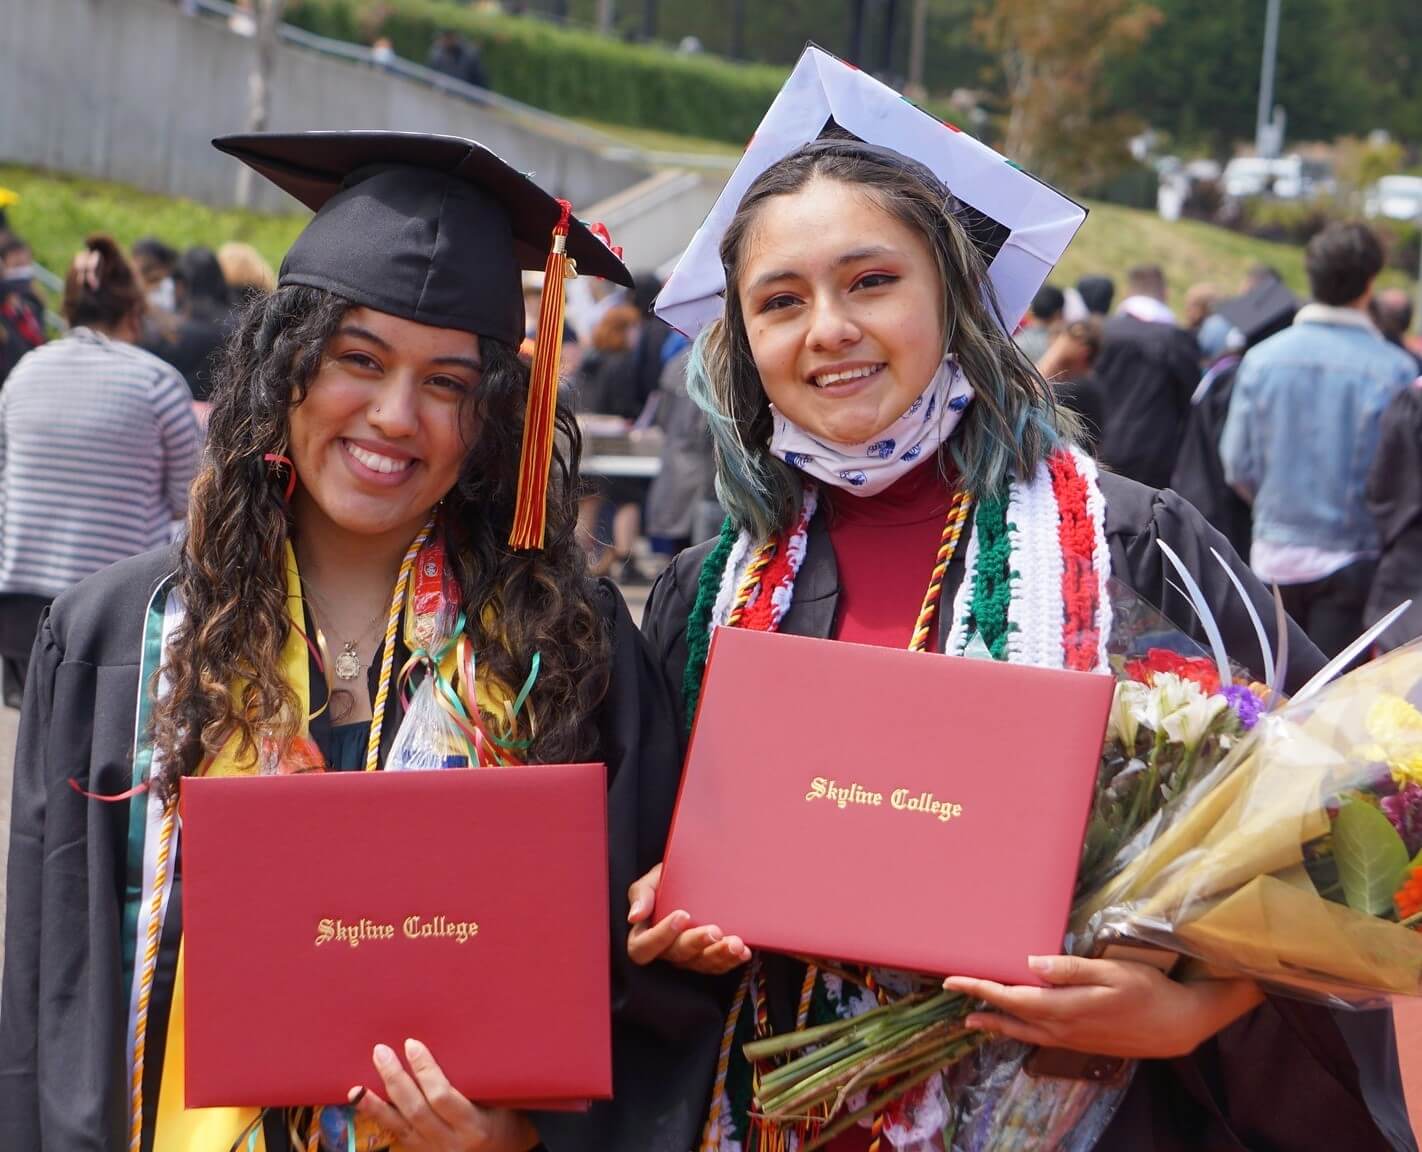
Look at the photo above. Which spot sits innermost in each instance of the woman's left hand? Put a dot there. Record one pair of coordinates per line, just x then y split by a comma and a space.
426, 1114
1109, 1007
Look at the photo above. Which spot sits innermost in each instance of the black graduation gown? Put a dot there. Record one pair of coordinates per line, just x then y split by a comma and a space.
1289, 1077
1199, 472
1145, 376
64, 1005
1395, 500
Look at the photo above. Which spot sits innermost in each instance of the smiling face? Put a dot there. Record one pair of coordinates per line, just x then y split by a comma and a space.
842, 305
381, 433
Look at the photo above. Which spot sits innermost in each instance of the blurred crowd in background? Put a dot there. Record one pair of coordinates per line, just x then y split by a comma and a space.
1294, 425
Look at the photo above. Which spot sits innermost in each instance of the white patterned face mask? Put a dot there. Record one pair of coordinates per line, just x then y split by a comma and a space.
868, 468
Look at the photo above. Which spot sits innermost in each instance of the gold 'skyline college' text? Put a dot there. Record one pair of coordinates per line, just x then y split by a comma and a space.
901, 799
333, 929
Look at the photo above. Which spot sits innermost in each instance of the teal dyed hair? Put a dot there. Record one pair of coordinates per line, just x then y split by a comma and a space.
758, 491
1009, 428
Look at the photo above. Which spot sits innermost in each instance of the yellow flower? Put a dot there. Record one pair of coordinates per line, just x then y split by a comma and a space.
1396, 725
8, 197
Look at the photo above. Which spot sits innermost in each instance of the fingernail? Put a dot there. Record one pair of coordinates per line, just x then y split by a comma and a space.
414, 1050
355, 1095
638, 906
384, 1056
681, 919
713, 935
1039, 963
978, 1024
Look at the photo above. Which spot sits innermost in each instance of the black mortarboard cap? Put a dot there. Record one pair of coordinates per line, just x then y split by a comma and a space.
1261, 311
434, 229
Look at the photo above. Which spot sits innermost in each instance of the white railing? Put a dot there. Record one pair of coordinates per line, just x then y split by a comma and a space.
546, 123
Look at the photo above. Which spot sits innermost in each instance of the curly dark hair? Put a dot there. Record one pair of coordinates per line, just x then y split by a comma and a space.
231, 575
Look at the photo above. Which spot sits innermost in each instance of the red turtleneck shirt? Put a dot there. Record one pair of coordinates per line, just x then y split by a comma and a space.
884, 547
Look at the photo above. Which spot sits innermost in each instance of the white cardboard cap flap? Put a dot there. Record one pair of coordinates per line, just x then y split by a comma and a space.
1039, 221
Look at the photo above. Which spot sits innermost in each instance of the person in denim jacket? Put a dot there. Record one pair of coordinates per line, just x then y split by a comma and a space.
1301, 435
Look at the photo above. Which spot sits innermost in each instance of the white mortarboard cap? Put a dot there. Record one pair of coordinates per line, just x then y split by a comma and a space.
1027, 227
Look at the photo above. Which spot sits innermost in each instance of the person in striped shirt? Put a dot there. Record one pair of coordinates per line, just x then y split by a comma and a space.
98, 447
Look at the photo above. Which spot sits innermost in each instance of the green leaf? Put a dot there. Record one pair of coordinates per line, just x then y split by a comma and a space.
1372, 858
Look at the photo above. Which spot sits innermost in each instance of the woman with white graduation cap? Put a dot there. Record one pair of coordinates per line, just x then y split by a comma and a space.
895, 473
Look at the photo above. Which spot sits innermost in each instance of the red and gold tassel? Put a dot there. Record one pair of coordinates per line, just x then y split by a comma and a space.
531, 509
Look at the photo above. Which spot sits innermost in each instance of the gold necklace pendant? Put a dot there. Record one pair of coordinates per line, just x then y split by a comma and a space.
348, 662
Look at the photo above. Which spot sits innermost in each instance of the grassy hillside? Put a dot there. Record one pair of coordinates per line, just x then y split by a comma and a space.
56, 213
1114, 239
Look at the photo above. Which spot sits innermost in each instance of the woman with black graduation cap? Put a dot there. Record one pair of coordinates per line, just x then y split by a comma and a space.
368, 424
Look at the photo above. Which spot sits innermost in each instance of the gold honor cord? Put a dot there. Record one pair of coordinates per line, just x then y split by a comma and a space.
392, 627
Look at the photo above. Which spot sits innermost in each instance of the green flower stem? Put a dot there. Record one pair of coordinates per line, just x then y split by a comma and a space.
881, 1063
910, 1060
825, 1064
851, 1044
889, 1024
812, 1069
1152, 780
877, 1104
1187, 763
893, 1017
772, 1046
888, 1053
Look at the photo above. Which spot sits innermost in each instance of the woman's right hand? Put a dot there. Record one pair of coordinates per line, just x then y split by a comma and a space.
706, 949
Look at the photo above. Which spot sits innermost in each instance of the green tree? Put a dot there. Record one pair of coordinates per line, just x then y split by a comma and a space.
1059, 122
1388, 44
1197, 75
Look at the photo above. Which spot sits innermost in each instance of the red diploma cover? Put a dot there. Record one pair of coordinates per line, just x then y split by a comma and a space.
904, 809
466, 908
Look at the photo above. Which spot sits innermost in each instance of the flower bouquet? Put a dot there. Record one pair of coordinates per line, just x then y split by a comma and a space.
1291, 860
1296, 862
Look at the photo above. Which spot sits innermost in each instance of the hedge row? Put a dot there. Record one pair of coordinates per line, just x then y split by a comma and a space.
566, 71
1297, 222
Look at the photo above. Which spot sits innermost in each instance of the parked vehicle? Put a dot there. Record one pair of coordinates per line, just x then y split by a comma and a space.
1286, 178
1395, 197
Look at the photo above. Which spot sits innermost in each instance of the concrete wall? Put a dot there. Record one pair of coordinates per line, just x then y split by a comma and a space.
133, 91
655, 220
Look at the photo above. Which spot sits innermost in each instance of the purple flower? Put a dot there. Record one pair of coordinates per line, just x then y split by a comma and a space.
1246, 705
1404, 810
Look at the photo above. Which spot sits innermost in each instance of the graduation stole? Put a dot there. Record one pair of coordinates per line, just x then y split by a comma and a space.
467, 694
1034, 592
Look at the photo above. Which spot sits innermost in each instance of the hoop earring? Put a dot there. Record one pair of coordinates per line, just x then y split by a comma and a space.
278, 462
